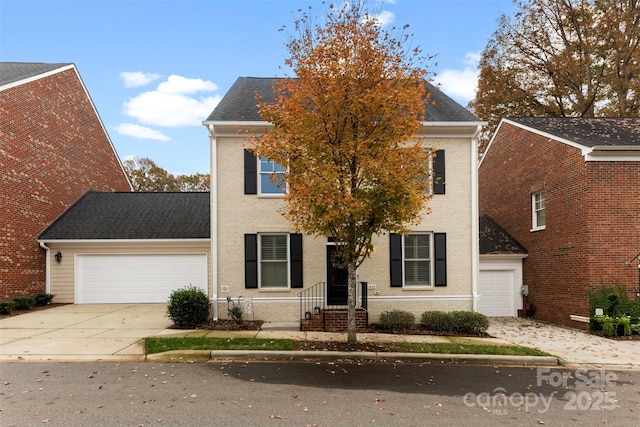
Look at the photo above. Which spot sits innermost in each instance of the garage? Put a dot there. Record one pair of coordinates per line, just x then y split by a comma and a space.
148, 278
497, 293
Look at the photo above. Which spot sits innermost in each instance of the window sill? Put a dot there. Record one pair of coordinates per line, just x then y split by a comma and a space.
418, 288
274, 289
537, 229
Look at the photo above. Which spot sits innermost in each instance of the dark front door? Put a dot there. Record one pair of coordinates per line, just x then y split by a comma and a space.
337, 278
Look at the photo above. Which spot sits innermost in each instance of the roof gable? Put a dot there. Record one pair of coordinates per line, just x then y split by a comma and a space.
495, 239
15, 72
239, 103
587, 131
125, 215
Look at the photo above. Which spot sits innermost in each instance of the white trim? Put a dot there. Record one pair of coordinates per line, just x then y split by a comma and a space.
501, 257
213, 203
475, 220
296, 299
47, 280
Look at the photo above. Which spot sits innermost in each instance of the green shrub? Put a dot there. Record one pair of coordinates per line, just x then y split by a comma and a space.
436, 321
397, 320
608, 326
188, 307
43, 299
24, 303
458, 322
623, 325
6, 307
469, 322
614, 301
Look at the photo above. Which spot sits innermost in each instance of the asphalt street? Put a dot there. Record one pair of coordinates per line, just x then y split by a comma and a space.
341, 393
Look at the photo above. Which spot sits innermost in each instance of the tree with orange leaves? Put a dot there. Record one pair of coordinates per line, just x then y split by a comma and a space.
344, 129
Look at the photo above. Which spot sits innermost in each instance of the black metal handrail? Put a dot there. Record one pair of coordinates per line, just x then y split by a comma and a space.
313, 300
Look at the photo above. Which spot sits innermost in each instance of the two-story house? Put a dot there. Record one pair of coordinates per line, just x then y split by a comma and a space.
53, 149
256, 256
567, 189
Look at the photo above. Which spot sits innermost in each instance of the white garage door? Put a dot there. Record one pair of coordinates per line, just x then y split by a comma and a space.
137, 278
497, 293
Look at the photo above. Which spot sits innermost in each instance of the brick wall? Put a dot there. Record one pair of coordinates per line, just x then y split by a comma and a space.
334, 321
53, 149
592, 221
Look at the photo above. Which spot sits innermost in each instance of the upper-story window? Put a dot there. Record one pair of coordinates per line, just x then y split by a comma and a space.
538, 210
271, 178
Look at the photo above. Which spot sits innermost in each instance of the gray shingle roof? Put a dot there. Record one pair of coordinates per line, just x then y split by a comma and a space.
588, 131
239, 103
11, 72
119, 215
495, 240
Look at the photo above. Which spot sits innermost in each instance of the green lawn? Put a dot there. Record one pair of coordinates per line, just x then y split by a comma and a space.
159, 345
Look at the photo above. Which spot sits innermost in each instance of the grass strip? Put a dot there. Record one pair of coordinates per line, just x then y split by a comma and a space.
160, 345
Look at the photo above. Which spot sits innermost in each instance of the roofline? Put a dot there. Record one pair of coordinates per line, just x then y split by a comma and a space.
230, 128
36, 77
504, 256
595, 153
120, 241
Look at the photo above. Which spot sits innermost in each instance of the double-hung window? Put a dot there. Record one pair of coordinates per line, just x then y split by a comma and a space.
271, 178
274, 262
417, 258
538, 210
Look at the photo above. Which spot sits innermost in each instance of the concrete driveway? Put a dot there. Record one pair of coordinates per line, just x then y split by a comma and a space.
88, 332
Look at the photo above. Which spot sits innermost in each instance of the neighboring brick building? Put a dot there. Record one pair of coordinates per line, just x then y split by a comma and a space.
568, 189
53, 149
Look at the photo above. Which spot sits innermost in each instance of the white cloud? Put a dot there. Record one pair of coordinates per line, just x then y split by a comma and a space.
461, 84
141, 132
182, 85
138, 78
384, 18
172, 104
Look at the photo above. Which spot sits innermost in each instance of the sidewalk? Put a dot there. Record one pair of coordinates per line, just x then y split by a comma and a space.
116, 332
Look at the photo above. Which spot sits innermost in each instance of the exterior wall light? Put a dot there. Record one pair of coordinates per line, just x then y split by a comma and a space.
58, 257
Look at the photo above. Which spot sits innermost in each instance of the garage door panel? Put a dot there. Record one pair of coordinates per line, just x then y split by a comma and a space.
137, 278
497, 293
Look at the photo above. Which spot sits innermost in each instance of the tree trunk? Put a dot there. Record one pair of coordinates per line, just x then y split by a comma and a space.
351, 303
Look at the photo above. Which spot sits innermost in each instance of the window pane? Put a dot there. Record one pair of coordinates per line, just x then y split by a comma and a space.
416, 246
273, 274
417, 273
268, 186
273, 247
417, 264
273, 261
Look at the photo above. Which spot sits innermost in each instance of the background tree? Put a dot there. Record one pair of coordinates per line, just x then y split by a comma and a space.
343, 127
146, 175
561, 58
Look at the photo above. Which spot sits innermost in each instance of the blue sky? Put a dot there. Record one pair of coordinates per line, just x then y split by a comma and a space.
155, 69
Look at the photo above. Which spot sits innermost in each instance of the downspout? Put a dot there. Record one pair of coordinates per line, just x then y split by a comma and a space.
47, 280
213, 196
475, 227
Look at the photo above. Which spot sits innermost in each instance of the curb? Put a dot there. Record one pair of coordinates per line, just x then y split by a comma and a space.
479, 359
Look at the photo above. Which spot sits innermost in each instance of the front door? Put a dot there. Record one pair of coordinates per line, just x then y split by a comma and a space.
337, 278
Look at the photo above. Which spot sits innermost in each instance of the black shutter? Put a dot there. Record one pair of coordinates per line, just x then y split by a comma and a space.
250, 173
250, 261
395, 255
438, 173
440, 246
295, 251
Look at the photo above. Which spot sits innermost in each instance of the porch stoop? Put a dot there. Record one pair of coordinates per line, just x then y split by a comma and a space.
334, 320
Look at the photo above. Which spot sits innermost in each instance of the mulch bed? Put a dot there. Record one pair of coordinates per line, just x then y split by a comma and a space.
31, 310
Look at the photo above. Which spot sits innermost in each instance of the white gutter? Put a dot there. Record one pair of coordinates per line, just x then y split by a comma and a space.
47, 280
213, 195
475, 226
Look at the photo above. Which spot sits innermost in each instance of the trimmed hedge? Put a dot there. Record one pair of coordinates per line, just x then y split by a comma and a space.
459, 322
188, 307
24, 303
397, 320
43, 299
6, 307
